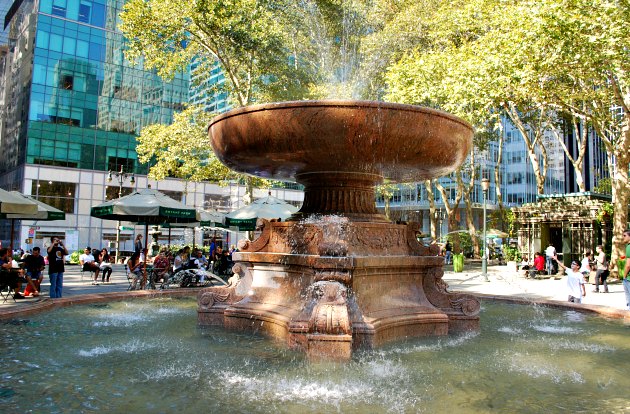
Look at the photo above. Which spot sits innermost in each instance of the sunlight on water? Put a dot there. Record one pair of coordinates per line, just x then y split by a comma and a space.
149, 356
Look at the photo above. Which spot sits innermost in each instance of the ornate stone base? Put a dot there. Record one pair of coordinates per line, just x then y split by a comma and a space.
330, 305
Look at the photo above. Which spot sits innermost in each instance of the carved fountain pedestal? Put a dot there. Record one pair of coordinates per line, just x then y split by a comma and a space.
337, 275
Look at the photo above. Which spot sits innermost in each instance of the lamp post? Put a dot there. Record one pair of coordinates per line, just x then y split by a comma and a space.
121, 176
485, 186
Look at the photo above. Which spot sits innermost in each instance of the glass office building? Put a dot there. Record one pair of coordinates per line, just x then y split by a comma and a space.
86, 103
72, 109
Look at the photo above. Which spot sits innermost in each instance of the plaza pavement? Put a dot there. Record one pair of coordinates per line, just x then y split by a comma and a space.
503, 285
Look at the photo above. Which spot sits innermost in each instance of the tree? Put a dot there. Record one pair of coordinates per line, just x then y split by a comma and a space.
250, 39
580, 63
182, 150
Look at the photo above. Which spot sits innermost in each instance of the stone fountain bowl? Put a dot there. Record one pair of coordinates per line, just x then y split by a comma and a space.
401, 143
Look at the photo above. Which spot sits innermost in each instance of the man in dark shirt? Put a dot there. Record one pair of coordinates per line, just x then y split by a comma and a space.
56, 253
34, 265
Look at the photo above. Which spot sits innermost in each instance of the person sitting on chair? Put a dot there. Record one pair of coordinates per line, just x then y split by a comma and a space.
34, 265
161, 264
105, 265
200, 260
136, 268
89, 264
8, 277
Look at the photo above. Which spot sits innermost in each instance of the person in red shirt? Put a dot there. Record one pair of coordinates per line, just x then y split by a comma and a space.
539, 262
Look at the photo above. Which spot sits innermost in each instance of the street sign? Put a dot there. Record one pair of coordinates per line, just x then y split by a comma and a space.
123, 228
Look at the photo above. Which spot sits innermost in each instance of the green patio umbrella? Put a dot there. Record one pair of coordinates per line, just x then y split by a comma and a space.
146, 207
12, 202
44, 211
212, 219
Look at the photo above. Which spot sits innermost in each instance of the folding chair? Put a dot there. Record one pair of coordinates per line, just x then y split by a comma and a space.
130, 277
6, 292
89, 272
6, 281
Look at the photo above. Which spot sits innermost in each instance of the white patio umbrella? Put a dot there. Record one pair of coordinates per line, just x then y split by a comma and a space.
267, 207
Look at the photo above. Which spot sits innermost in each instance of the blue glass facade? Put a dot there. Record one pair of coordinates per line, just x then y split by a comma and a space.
86, 104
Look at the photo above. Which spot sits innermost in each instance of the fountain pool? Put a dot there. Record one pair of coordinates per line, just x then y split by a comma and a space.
149, 356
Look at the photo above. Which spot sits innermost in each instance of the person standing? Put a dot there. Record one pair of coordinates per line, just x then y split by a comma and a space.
448, 252
575, 281
625, 237
601, 269
585, 266
137, 246
56, 252
550, 252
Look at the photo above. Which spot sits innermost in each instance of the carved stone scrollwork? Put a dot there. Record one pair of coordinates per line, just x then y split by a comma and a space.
436, 290
330, 314
340, 276
467, 304
413, 229
261, 242
217, 295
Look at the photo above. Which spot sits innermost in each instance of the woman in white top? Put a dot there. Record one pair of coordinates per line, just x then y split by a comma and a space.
585, 268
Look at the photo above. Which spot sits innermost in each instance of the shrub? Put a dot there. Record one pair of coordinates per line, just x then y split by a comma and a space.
511, 253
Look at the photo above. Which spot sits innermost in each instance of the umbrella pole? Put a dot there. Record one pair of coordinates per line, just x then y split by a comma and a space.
146, 240
12, 235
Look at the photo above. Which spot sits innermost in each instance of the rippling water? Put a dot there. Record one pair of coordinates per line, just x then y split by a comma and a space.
149, 356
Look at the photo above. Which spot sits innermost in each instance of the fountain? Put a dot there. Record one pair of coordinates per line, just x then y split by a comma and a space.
338, 276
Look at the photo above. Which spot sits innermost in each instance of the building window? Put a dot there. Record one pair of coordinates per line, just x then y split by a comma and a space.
59, 8
175, 195
67, 82
55, 193
85, 10
111, 191
114, 164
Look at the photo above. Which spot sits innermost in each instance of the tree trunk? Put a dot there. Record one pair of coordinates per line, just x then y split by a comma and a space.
430, 196
539, 164
621, 193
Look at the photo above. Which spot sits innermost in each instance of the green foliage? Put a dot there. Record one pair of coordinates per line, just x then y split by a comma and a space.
512, 254
181, 149
606, 212
510, 221
74, 257
604, 186
461, 241
252, 40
